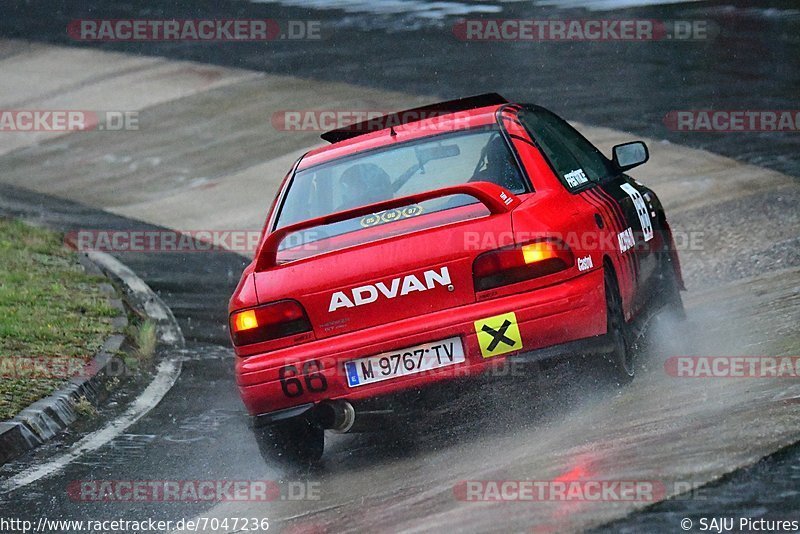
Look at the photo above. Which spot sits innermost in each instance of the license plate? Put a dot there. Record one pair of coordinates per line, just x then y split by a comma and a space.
404, 362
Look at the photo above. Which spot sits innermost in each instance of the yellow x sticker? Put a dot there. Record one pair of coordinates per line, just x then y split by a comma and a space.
498, 335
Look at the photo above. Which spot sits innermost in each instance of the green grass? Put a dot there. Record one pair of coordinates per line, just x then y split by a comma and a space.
144, 338
50, 310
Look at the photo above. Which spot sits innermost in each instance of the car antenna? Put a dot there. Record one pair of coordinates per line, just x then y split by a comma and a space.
392, 132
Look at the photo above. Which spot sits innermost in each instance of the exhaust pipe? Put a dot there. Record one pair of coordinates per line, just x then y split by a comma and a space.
339, 416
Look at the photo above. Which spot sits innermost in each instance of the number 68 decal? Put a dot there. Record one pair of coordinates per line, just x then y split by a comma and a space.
312, 376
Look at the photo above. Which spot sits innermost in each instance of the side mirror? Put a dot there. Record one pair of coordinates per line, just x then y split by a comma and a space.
630, 155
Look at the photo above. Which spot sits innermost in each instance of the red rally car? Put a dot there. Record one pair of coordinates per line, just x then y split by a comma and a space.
430, 245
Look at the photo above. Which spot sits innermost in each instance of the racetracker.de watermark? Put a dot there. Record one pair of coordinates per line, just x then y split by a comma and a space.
65, 367
733, 121
124, 491
49, 367
584, 241
559, 490
157, 241
733, 366
365, 120
598, 30
61, 120
234, 30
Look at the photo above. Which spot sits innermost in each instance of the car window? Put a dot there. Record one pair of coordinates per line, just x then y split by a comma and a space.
401, 170
575, 160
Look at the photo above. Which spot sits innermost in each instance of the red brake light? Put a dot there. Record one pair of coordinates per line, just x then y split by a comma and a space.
520, 262
271, 321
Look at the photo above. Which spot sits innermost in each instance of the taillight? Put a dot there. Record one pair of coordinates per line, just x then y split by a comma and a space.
520, 262
271, 321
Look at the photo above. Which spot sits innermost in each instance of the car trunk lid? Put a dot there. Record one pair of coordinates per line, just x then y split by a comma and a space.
406, 268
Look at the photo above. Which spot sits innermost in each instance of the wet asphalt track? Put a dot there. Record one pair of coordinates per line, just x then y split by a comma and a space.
752, 63
198, 431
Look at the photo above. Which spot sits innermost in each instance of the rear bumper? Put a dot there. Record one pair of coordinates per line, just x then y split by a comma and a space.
388, 410
549, 320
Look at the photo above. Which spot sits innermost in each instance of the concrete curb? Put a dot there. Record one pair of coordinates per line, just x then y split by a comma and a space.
47, 417
141, 297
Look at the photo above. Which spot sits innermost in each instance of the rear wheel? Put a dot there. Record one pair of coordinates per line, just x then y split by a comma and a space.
619, 332
299, 440
670, 290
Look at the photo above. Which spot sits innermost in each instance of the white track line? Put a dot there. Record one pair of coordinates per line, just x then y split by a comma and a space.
168, 372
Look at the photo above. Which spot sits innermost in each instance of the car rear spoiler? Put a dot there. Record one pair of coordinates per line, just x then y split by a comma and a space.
497, 199
413, 115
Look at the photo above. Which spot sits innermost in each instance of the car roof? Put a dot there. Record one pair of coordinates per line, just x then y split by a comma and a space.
443, 117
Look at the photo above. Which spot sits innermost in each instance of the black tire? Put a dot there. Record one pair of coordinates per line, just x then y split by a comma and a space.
670, 290
297, 441
619, 332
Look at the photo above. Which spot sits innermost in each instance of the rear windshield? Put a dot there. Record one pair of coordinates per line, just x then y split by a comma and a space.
401, 170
